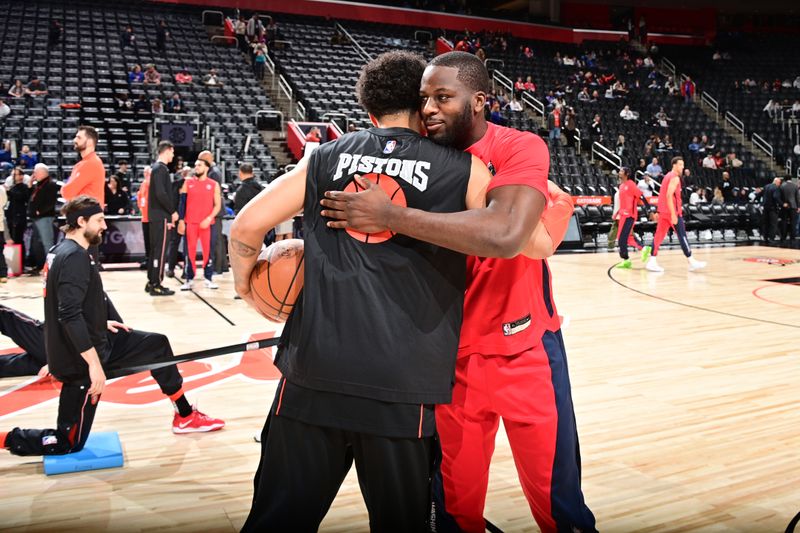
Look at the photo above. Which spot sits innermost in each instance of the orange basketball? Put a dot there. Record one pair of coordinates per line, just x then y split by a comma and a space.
277, 279
395, 193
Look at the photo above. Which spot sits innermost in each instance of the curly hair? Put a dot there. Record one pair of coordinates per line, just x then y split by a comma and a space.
389, 84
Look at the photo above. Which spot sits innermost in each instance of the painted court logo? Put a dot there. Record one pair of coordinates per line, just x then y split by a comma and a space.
390, 146
770, 260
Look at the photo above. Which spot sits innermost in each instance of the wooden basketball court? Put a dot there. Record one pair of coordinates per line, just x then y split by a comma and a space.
686, 389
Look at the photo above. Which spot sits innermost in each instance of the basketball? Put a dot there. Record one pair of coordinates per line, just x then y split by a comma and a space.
396, 195
277, 279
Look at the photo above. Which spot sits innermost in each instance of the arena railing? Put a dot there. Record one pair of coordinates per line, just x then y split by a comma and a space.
710, 102
286, 89
269, 113
207, 12
498, 78
536, 104
761, 143
734, 121
500, 64
366, 56
301, 111
668, 65
606, 155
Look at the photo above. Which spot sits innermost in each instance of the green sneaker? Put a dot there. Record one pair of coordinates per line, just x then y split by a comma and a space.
624, 264
646, 253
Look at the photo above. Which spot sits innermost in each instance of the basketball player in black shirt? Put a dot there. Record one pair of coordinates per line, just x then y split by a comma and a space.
78, 346
370, 347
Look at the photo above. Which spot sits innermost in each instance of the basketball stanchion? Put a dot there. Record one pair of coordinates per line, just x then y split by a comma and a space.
193, 356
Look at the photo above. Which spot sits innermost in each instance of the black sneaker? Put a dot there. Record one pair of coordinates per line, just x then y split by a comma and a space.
148, 287
160, 290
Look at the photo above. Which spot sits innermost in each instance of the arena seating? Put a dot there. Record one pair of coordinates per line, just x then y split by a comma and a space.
90, 68
761, 58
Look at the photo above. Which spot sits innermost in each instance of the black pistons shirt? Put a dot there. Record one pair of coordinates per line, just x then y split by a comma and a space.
380, 315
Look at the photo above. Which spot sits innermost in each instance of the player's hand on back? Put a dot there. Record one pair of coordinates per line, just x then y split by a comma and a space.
114, 326
365, 211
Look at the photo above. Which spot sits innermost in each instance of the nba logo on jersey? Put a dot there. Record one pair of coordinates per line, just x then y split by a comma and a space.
390, 146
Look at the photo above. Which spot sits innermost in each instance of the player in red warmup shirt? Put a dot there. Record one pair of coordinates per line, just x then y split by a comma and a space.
511, 358
670, 217
629, 199
200, 203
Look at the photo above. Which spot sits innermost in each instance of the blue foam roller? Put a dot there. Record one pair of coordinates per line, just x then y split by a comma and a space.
102, 450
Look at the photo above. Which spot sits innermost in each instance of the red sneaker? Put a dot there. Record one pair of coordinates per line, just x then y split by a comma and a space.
196, 422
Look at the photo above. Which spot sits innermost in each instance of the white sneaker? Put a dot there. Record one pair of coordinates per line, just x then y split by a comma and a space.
694, 264
211, 285
187, 285
652, 265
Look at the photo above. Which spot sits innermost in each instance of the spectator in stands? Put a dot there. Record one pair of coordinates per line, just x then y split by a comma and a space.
529, 85
175, 104
162, 34
772, 108
553, 124
662, 119
496, 117
687, 179
27, 159
514, 105
54, 34
123, 175
707, 145
654, 170
584, 95
183, 76
641, 168
117, 200
36, 87
42, 211
141, 104
259, 64
127, 38
5, 159
687, 89
719, 160
152, 76
627, 114
17, 90
620, 149
4, 109
136, 75
718, 198
695, 145
698, 196
17, 209
248, 188
708, 162
124, 103
596, 129
790, 195
733, 161
519, 86
796, 109
570, 126
156, 106
647, 186
253, 27
664, 145
212, 78
743, 197
772, 202
313, 135
240, 30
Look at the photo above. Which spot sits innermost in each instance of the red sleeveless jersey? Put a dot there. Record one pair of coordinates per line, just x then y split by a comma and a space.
199, 199
663, 208
508, 303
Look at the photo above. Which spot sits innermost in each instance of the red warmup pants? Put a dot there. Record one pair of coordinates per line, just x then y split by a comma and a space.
193, 233
531, 392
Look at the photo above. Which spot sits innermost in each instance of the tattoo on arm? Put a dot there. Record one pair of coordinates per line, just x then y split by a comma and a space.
242, 249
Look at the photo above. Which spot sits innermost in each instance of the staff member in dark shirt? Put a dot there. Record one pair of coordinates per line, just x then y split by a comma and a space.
42, 210
162, 217
248, 188
772, 202
79, 346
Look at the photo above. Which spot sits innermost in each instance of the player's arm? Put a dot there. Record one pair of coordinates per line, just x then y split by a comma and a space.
671, 200
278, 202
217, 201
74, 186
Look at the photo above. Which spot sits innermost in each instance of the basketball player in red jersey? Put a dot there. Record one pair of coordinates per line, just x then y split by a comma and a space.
670, 216
512, 362
629, 198
200, 203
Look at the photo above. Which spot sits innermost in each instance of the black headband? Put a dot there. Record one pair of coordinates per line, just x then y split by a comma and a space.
86, 213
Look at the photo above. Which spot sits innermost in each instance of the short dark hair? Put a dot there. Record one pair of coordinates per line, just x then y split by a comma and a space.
471, 70
389, 84
76, 204
163, 146
676, 159
246, 168
626, 171
90, 132
122, 162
